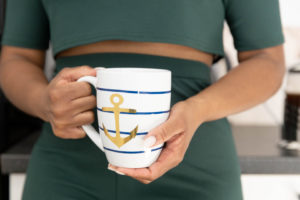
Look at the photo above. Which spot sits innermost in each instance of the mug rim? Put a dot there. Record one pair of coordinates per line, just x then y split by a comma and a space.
132, 70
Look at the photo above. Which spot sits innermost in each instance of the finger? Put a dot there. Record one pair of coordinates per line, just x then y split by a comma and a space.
143, 181
76, 133
83, 119
167, 160
129, 171
164, 132
83, 104
120, 173
75, 90
65, 119
73, 74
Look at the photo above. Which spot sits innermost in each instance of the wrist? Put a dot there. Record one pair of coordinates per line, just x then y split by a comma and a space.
39, 107
200, 109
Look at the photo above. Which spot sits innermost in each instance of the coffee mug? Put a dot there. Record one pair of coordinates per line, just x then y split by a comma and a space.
130, 102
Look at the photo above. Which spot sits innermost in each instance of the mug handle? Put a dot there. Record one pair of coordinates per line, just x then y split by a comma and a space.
89, 129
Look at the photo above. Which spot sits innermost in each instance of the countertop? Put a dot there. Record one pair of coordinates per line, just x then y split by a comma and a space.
259, 152
257, 147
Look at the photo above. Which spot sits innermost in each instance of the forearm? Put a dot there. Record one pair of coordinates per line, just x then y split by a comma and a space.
249, 84
23, 83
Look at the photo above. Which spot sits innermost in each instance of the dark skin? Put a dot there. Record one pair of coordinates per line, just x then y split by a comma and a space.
67, 104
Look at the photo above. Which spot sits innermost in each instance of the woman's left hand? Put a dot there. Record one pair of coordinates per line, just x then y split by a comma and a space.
177, 132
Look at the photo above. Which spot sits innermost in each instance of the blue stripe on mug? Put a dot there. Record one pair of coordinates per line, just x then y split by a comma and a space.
122, 132
133, 91
137, 113
131, 152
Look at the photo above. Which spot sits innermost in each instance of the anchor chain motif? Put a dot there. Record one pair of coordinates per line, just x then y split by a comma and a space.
118, 140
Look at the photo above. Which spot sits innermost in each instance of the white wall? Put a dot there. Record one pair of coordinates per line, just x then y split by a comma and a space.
290, 12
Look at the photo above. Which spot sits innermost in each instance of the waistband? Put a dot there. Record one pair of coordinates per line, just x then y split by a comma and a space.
179, 67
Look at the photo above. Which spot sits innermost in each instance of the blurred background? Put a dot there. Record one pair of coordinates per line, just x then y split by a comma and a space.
267, 171
271, 112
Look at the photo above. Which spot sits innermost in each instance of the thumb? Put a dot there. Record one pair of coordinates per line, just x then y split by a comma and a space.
73, 74
163, 132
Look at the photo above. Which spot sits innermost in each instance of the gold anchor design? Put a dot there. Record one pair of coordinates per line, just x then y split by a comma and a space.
118, 140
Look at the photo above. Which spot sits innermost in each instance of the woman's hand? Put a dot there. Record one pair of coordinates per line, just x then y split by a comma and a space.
68, 103
177, 132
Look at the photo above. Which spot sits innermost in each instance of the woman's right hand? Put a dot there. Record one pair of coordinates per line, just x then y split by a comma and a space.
68, 104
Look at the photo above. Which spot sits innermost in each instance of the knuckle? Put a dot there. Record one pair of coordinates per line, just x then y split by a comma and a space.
67, 88
181, 156
54, 96
65, 70
76, 133
73, 136
86, 87
93, 100
178, 160
151, 178
179, 122
58, 133
57, 112
85, 67
164, 133
81, 134
146, 182
58, 124
182, 124
91, 116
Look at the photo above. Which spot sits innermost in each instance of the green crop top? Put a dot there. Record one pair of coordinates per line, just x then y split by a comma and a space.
255, 24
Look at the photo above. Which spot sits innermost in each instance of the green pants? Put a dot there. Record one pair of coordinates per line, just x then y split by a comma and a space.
63, 169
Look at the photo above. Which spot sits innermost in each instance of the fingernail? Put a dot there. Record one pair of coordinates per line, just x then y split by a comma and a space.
150, 141
118, 172
110, 168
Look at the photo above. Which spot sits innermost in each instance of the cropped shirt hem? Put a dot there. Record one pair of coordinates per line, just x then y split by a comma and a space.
198, 24
139, 37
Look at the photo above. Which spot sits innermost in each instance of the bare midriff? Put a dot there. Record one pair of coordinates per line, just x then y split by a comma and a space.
150, 48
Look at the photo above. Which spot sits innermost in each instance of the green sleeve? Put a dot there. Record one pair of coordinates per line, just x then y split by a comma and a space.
254, 24
26, 24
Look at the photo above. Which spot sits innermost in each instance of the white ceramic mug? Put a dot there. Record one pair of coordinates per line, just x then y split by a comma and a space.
130, 102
